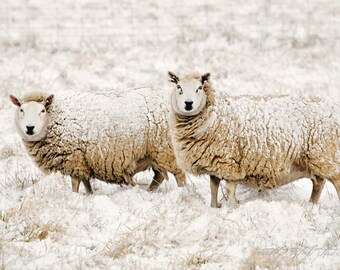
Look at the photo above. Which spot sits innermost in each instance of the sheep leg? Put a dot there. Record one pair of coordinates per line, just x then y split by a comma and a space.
180, 179
75, 184
231, 189
87, 185
156, 181
336, 184
214, 184
127, 178
318, 184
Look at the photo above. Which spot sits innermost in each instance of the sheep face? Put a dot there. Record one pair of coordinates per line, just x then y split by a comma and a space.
31, 118
188, 98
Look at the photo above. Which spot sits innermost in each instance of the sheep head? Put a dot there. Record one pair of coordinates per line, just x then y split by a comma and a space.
31, 117
189, 97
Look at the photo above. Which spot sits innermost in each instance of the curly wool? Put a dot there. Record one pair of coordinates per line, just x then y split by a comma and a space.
109, 136
259, 141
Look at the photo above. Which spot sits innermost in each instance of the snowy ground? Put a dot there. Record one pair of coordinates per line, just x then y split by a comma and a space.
260, 48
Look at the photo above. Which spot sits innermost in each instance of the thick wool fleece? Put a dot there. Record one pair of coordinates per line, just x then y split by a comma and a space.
260, 141
109, 136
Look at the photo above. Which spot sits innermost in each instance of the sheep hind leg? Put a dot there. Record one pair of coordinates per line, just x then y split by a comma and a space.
180, 179
87, 185
157, 180
231, 189
336, 184
76, 183
318, 184
214, 184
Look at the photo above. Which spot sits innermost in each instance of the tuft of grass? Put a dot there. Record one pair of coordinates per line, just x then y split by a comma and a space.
37, 232
6, 152
197, 260
3, 216
136, 238
120, 248
270, 259
10, 150
21, 182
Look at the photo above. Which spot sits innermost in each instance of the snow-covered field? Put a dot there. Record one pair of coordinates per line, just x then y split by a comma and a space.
250, 47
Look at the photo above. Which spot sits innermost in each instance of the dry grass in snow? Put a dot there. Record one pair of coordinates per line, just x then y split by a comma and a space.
262, 47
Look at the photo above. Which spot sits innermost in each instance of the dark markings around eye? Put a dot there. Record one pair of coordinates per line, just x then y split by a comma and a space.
180, 89
199, 88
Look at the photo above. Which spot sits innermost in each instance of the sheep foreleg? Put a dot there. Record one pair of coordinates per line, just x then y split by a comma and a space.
75, 184
318, 184
214, 184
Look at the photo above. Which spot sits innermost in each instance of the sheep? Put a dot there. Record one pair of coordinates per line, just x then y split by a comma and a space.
264, 141
109, 136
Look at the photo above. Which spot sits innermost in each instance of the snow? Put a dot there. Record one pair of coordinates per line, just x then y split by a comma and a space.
263, 47
90, 116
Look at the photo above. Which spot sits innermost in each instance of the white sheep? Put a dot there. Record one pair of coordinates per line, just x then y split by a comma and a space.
263, 141
108, 136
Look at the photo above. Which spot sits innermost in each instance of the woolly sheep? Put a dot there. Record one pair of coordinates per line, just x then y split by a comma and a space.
262, 142
109, 136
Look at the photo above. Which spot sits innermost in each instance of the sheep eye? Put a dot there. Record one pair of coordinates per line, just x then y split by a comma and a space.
43, 110
199, 88
21, 110
180, 89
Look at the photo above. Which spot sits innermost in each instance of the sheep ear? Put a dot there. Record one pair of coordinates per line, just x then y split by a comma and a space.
205, 77
49, 101
173, 77
15, 101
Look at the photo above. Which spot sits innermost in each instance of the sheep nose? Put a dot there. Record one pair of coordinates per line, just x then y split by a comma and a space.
188, 105
29, 130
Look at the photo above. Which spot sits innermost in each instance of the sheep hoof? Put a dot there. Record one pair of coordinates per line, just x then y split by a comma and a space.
233, 204
218, 205
88, 193
154, 185
152, 188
